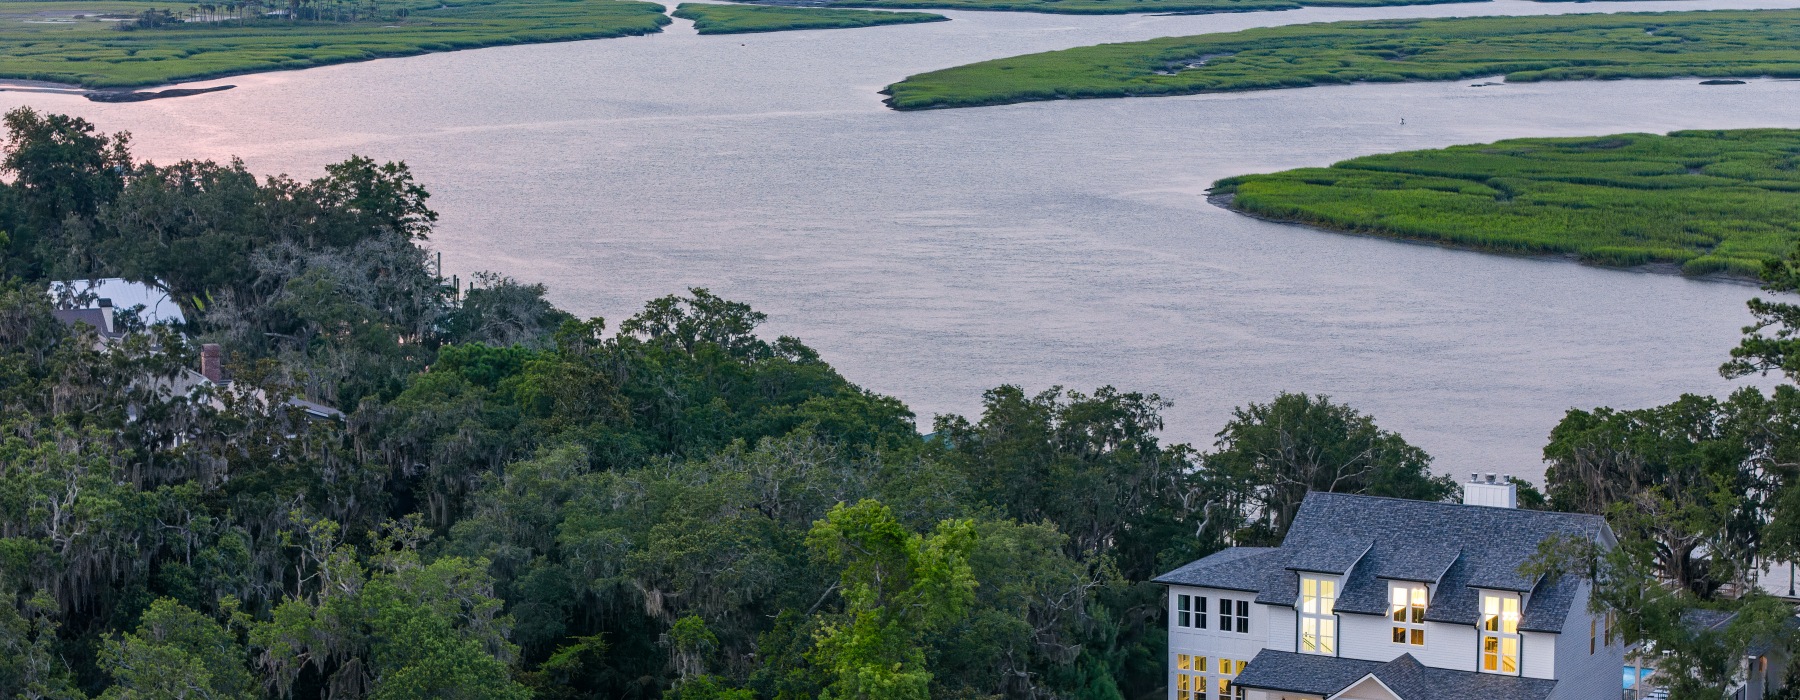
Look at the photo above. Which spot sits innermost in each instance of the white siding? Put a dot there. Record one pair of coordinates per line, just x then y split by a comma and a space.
1580, 675
1283, 628
1450, 646
1538, 652
1369, 637
1211, 642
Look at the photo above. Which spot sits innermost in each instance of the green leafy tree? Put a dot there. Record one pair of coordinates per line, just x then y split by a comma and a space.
1090, 464
176, 654
30, 666
898, 587
63, 172
1698, 645
1276, 453
1685, 477
408, 630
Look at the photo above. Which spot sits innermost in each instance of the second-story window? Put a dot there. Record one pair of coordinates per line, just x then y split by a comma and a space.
1500, 633
1190, 611
1234, 614
1318, 621
1406, 607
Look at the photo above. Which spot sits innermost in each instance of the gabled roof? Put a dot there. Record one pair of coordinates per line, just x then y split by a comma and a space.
95, 318
158, 308
1374, 540
1405, 677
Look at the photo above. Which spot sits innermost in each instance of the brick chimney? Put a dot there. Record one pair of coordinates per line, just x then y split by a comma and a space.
212, 363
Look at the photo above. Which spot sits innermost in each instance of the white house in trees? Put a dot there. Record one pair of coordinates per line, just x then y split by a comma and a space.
1385, 599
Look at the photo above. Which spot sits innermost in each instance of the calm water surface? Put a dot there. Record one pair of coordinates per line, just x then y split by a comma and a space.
934, 255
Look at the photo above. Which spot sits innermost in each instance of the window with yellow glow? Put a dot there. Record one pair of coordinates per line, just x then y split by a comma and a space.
1318, 621
1228, 670
1406, 606
1500, 633
1190, 677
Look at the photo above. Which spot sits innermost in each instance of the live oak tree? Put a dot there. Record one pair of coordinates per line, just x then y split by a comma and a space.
1269, 456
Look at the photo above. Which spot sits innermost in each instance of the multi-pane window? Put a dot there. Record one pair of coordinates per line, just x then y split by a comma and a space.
1228, 670
1500, 633
1609, 628
1190, 677
1406, 606
1190, 611
1234, 614
1318, 624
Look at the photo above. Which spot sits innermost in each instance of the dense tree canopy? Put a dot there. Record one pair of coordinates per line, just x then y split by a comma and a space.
518, 503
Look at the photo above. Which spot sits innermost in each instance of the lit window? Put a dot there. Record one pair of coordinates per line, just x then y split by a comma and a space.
1500, 633
1593, 634
1610, 627
1228, 669
1318, 624
1190, 677
1406, 605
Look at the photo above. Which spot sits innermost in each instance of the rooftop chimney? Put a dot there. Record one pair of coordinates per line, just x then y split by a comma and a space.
1493, 491
212, 363
106, 314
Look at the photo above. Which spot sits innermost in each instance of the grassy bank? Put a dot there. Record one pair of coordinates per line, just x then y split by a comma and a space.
84, 43
1716, 44
1709, 201
1119, 7
743, 19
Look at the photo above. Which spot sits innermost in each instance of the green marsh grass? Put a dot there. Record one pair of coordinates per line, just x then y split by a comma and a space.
1116, 7
1709, 201
1712, 44
45, 40
741, 19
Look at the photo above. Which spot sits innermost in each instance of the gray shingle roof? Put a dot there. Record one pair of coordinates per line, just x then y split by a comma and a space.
1459, 548
1303, 673
1324, 675
92, 317
1412, 680
1235, 569
1331, 557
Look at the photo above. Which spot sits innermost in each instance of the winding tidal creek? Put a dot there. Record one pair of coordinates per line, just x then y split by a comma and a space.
933, 255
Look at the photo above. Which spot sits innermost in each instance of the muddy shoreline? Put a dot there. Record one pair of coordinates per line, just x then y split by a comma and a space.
104, 95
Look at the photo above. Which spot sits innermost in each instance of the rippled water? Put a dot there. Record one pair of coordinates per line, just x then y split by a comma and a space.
934, 255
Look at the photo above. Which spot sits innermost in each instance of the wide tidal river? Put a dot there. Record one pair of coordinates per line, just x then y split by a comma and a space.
933, 255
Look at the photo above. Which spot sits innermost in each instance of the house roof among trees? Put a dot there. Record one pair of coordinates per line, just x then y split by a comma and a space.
1407, 678
1457, 547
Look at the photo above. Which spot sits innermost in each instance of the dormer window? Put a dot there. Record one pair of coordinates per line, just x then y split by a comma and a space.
1406, 607
1500, 633
1318, 621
